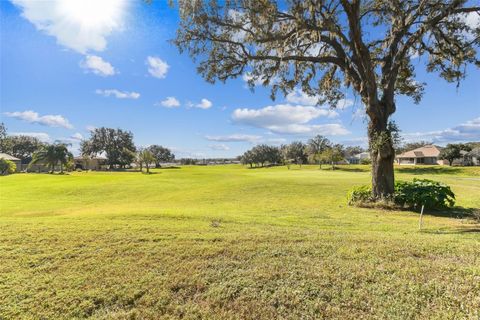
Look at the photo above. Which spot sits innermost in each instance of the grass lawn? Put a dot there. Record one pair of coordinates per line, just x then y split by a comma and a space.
226, 242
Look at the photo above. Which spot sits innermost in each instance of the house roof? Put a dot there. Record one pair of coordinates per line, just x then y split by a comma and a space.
425, 151
90, 158
8, 157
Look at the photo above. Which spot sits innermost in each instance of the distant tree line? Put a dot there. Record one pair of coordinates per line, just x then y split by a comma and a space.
318, 150
116, 144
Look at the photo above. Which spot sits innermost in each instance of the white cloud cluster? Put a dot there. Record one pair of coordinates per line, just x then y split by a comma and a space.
297, 96
42, 136
81, 25
46, 120
157, 67
234, 138
219, 147
77, 136
118, 94
170, 102
468, 131
98, 66
204, 104
289, 119
472, 19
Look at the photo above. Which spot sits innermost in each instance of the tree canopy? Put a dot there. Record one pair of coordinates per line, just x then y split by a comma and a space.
117, 144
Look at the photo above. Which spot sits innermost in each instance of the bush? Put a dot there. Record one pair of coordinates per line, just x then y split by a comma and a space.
360, 195
7, 167
432, 194
365, 161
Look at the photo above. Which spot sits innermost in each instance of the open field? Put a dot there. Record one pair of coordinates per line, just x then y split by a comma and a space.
227, 242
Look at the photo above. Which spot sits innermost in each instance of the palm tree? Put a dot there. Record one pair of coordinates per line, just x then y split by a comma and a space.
51, 155
63, 155
146, 157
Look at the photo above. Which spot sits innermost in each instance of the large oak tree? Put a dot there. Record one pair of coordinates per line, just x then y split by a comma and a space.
324, 46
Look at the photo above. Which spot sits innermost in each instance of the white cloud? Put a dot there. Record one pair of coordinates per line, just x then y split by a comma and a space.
248, 77
170, 102
77, 136
204, 104
468, 131
234, 138
280, 114
344, 103
219, 147
42, 136
46, 120
81, 25
118, 94
289, 119
329, 129
98, 66
472, 19
90, 128
157, 67
297, 96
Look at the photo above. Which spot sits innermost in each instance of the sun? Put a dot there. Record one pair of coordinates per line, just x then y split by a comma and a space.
92, 14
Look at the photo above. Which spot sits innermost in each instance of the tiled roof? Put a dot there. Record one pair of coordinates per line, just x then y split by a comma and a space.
8, 157
425, 151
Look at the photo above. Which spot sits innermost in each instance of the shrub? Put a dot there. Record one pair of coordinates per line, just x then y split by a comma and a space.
432, 194
365, 161
7, 167
360, 195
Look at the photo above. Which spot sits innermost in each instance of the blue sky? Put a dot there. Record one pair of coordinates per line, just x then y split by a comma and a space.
65, 70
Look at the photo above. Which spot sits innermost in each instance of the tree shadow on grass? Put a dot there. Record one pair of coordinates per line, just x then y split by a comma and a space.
168, 168
428, 170
459, 230
350, 169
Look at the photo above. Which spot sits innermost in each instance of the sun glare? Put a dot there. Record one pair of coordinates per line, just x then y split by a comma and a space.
93, 14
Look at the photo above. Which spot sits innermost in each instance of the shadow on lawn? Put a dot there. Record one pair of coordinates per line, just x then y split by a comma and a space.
455, 213
460, 230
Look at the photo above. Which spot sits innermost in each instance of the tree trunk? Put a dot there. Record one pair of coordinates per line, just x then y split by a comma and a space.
382, 154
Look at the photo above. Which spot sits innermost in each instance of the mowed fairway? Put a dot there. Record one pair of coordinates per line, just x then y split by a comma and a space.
227, 242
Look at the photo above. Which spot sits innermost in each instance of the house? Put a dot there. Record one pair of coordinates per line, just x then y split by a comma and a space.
424, 155
357, 158
18, 162
90, 163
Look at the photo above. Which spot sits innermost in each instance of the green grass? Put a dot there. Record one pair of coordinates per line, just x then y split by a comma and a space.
226, 242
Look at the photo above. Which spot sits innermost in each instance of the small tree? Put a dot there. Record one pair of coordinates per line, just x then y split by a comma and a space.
332, 155
296, 151
453, 151
450, 153
51, 155
7, 166
161, 154
145, 157
117, 144
315, 147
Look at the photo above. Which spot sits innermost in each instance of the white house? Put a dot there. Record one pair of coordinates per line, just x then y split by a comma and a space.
423, 155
